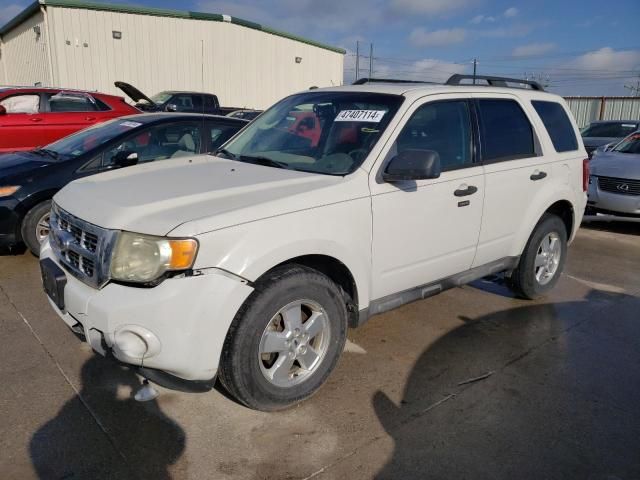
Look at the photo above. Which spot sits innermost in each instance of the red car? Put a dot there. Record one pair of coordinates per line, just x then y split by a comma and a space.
35, 116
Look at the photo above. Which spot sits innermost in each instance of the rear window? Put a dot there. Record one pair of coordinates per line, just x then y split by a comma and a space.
506, 133
558, 125
609, 129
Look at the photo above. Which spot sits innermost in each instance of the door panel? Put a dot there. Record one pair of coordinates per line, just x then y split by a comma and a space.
422, 230
506, 128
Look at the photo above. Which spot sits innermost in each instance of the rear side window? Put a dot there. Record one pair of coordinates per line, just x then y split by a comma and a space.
506, 133
70, 102
557, 124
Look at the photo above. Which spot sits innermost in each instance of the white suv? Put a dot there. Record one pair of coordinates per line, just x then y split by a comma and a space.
334, 205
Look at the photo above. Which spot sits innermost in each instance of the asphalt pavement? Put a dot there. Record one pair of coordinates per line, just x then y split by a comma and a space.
472, 383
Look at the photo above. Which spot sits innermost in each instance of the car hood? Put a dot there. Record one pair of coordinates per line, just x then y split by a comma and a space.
18, 163
618, 165
598, 141
201, 194
133, 93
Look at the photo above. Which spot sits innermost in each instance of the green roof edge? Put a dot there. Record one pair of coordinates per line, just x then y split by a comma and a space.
158, 12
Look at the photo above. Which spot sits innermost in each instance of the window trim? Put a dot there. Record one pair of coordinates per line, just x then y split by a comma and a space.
537, 151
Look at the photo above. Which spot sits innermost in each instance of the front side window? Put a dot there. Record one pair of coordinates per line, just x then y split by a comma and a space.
558, 125
187, 102
505, 131
323, 132
27, 103
444, 127
69, 102
159, 142
631, 144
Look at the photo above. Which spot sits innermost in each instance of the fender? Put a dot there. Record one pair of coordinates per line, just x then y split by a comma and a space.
533, 215
341, 231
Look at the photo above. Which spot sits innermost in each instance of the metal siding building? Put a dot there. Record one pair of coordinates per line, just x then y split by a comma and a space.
244, 63
588, 109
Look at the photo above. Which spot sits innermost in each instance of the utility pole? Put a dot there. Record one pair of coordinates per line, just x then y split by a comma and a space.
357, 59
635, 90
475, 66
370, 60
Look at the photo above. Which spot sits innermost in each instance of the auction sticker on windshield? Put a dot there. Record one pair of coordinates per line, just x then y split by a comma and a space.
360, 116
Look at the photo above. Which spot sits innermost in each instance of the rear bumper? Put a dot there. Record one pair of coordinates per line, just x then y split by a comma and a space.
613, 203
182, 322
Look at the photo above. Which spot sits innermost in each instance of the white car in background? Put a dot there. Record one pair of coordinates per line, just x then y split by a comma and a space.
250, 264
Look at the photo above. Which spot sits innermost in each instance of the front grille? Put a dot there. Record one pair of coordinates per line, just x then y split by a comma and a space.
82, 248
619, 185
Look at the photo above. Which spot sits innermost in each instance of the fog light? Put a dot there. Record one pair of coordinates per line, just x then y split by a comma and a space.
133, 341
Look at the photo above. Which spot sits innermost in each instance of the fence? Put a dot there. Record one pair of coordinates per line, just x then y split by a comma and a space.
587, 109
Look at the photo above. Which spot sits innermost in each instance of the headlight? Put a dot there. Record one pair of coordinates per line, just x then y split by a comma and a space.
6, 191
144, 258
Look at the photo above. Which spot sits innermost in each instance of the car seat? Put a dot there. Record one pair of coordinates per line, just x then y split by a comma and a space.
186, 146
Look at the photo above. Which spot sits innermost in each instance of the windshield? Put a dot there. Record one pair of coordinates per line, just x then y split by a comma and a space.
161, 97
322, 132
609, 129
86, 140
631, 144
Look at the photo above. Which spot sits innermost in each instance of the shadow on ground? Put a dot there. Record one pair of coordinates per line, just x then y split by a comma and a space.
145, 441
493, 399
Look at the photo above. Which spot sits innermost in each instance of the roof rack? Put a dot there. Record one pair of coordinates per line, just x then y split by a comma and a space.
362, 81
457, 78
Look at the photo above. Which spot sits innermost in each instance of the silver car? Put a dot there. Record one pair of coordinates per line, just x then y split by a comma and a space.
606, 132
614, 183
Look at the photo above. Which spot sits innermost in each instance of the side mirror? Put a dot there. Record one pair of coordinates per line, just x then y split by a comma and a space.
413, 165
171, 107
3, 111
125, 158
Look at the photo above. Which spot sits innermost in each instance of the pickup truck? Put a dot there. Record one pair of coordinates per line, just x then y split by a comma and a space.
250, 264
175, 101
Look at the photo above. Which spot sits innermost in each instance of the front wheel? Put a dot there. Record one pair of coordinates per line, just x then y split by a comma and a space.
285, 340
35, 226
543, 259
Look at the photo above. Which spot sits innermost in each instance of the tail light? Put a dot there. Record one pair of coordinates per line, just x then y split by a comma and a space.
585, 174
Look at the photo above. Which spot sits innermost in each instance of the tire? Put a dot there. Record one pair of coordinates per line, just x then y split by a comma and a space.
32, 226
253, 349
530, 281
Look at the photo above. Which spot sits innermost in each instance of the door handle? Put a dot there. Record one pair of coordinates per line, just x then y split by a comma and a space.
464, 190
538, 175
89, 119
36, 119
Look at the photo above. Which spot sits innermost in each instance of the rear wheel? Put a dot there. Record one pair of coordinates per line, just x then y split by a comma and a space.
285, 340
35, 226
543, 259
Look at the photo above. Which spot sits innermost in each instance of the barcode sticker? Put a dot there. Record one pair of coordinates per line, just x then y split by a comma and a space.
360, 116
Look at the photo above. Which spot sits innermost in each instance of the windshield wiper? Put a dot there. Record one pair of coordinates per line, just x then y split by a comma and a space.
224, 151
47, 152
267, 162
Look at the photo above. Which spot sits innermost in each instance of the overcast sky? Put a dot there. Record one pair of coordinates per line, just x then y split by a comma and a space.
580, 47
